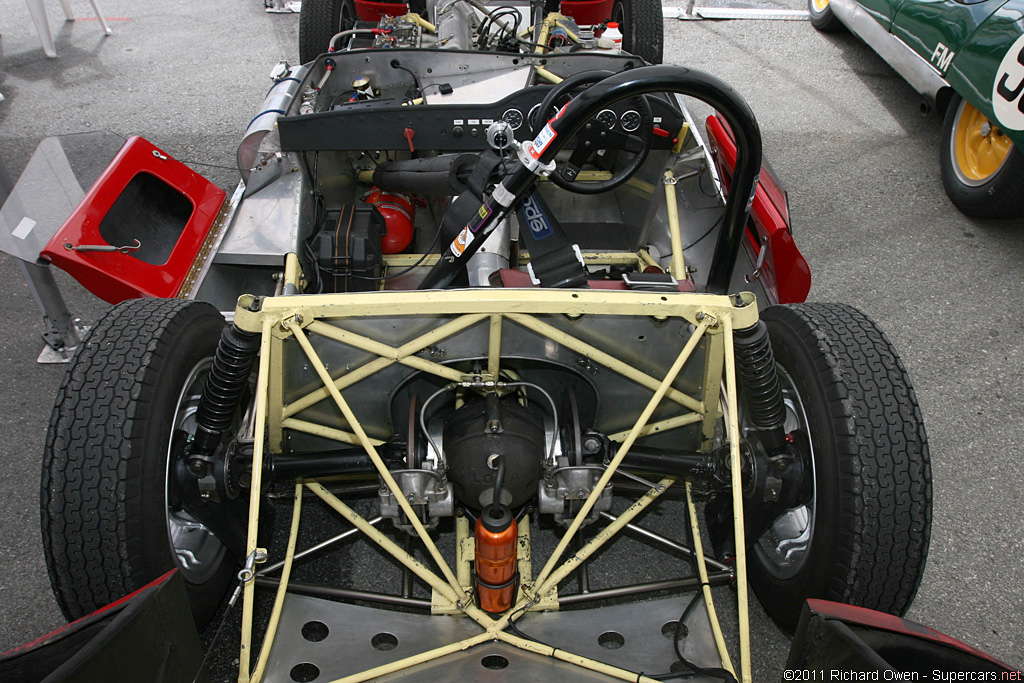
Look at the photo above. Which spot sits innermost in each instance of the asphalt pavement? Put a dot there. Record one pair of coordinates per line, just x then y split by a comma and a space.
844, 133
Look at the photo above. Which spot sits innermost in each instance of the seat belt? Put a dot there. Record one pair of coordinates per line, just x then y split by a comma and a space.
554, 261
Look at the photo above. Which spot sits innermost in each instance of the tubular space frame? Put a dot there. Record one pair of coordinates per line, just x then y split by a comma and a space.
278, 318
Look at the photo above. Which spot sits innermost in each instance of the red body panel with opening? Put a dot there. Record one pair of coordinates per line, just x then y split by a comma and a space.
143, 195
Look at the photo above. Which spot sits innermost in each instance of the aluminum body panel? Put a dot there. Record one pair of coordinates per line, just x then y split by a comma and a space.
266, 225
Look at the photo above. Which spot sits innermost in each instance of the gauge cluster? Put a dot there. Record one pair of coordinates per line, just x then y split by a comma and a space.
451, 127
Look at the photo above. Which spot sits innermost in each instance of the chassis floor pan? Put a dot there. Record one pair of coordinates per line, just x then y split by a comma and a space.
357, 638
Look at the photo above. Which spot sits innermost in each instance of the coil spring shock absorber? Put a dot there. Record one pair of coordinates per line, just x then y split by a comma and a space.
232, 365
762, 392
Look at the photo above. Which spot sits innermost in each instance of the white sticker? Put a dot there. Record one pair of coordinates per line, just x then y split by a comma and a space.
1008, 90
24, 228
462, 241
488, 122
458, 122
474, 122
544, 138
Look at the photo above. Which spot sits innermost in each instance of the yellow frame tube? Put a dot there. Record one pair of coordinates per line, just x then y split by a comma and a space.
545, 31
282, 589
383, 350
742, 607
494, 347
518, 305
681, 137
421, 658
325, 432
670, 377
374, 366
605, 359
262, 380
389, 546
414, 565
488, 300
293, 271
660, 426
578, 660
547, 75
678, 266
702, 572
371, 451
605, 535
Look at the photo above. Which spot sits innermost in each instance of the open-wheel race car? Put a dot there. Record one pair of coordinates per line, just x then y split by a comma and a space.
499, 308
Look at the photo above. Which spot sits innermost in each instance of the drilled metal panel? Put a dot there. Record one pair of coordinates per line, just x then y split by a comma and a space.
351, 631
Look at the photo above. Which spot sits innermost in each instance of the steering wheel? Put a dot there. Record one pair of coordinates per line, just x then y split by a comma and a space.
595, 136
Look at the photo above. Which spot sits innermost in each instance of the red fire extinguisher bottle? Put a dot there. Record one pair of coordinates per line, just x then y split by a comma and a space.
496, 532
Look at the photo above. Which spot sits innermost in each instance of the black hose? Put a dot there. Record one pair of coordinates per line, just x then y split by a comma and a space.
499, 479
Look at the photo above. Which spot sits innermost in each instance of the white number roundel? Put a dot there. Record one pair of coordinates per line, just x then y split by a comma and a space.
1008, 90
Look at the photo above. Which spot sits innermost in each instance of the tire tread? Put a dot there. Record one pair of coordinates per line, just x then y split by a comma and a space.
92, 450
882, 451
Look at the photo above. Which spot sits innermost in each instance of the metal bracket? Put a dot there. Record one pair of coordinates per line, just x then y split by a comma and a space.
760, 262
248, 572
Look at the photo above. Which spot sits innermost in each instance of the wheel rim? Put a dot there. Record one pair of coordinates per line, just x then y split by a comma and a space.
978, 148
347, 16
783, 550
819, 5
197, 551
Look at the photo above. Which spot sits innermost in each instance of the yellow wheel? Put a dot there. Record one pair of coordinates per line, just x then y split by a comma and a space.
980, 149
822, 17
982, 171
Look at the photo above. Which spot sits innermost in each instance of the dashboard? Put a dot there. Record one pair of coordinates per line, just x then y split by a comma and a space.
383, 124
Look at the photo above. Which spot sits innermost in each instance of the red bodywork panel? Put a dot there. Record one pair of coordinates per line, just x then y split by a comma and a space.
586, 12
583, 12
92, 616
373, 11
114, 276
888, 622
785, 273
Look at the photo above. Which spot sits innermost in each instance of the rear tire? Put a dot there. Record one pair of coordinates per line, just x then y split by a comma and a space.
321, 20
862, 536
107, 512
643, 28
982, 171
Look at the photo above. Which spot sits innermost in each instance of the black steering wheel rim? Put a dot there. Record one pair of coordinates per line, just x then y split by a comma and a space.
646, 135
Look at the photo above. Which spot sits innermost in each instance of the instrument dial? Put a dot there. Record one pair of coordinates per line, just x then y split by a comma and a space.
608, 118
630, 121
513, 117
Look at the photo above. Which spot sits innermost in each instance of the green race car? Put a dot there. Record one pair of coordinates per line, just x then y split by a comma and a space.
966, 57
